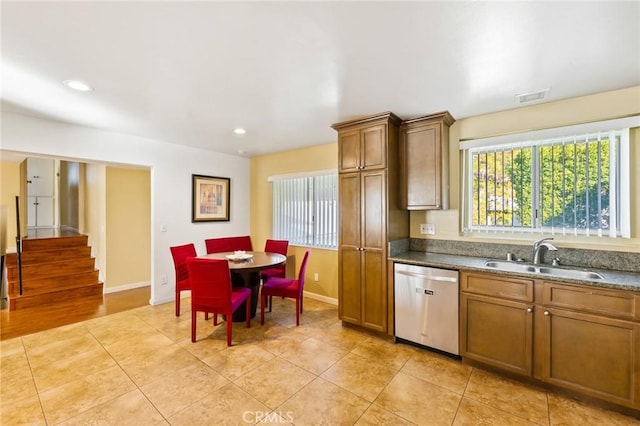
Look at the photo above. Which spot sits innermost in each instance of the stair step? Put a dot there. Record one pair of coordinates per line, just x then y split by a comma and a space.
42, 299
53, 243
48, 284
46, 256
51, 269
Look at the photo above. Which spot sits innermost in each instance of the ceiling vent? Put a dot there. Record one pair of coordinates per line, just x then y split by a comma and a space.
523, 98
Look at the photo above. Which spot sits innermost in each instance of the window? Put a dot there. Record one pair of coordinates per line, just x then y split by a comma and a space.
305, 209
573, 184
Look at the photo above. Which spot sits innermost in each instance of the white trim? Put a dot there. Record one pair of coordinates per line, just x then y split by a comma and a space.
156, 302
126, 287
556, 132
321, 298
303, 174
625, 186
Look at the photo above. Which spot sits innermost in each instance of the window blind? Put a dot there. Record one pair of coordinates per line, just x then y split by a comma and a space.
305, 210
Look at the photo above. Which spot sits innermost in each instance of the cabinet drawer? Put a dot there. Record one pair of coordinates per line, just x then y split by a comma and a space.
498, 286
589, 299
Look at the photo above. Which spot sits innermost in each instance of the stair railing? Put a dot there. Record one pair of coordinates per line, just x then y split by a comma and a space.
18, 243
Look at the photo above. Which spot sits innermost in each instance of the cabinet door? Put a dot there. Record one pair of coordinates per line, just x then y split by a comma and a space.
373, 209
41, 177
374, 143
421, 159
40, 211
350, 294
374, 290
350, 243
592, 354
497, 332
349, 197
374, 274
349, 151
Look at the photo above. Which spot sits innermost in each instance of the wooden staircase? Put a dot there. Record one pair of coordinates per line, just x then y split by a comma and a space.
53, 270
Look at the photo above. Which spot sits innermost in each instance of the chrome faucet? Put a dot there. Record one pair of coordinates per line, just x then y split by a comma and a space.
537, 249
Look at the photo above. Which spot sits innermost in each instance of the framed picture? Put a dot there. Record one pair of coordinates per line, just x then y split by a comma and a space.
210, 198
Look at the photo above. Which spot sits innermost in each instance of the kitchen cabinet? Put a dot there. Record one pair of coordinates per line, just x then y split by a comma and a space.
363, 147
581, 338
369, 217
424, 160
496, 317
590, 341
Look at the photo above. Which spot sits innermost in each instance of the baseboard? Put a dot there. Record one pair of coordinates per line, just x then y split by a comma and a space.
321, 298
156, 302
108, 290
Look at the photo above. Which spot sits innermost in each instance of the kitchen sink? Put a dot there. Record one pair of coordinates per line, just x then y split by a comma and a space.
571, 273
510, 266
559, 272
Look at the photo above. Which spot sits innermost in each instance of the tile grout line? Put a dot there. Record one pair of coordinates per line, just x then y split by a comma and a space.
462, 396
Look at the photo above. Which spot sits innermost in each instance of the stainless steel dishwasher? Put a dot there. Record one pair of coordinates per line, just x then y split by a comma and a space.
426, 306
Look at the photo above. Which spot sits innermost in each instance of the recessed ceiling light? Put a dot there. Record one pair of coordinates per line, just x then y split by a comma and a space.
78, 85
239, 131
242, 152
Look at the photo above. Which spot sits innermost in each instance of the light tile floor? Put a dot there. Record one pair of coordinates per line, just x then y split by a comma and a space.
139, 367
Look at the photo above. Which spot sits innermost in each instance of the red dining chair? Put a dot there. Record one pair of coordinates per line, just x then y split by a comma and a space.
211, 291
241, 243
217, 245
275, 246
285, 287
180, 255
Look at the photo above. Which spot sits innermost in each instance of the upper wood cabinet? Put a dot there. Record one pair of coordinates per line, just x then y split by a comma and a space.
424, 162
363, 143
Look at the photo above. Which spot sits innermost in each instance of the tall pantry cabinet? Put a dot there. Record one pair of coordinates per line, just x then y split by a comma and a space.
369, 218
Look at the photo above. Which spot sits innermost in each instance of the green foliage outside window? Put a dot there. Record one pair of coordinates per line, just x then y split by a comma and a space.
572, 186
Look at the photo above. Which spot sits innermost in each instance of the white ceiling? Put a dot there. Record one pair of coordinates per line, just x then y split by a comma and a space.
190, 72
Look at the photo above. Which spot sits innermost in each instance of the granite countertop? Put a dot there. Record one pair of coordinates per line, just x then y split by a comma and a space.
612, 279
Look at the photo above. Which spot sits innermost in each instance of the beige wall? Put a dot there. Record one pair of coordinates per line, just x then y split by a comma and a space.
9, 189
596, 107
320, 157
128, 223
94, 214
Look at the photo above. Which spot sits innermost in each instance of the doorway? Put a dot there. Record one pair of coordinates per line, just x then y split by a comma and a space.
53, 194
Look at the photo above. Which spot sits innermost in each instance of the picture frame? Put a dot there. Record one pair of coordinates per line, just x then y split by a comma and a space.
210, 197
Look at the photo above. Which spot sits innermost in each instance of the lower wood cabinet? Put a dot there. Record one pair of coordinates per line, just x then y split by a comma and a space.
591, 354
577, 337
590, 341
497, 332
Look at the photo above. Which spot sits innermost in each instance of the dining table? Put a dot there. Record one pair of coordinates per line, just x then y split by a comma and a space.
245, 270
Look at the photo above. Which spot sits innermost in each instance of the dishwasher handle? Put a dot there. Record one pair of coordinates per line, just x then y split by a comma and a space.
428, 277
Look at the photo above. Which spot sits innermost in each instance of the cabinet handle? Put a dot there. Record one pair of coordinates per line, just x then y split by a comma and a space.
546, 313
529, 310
